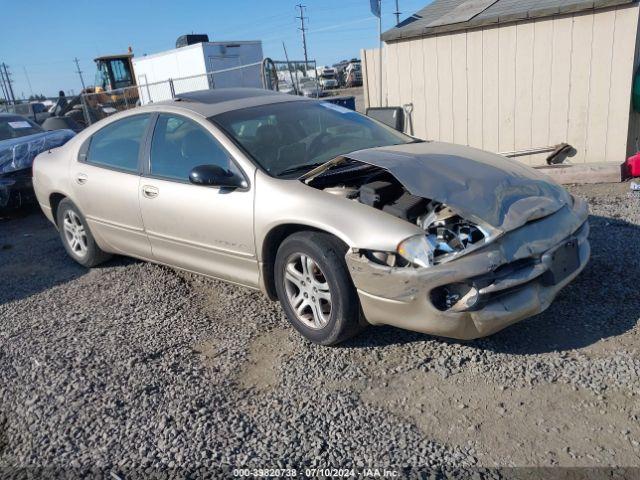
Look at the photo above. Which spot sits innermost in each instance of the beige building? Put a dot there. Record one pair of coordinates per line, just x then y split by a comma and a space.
505, 75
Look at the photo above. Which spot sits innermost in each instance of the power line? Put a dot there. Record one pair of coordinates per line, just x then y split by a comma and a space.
337, 26
304, 33
79, 72
28, 80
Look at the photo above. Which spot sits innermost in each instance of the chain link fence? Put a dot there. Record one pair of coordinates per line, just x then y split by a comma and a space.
288, 77
99, 105
96, 106
292, 75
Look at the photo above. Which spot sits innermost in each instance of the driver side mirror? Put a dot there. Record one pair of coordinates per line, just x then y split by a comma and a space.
215, 176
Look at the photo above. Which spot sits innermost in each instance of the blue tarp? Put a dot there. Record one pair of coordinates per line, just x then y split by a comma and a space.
18, 153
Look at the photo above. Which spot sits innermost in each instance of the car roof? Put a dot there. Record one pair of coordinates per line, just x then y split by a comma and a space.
213, 102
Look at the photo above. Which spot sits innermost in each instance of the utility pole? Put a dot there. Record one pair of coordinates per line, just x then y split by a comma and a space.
28, 80
7, 75
397, 13
79, 72
286, 56
5, 95
5, 89
8, 82
304, 35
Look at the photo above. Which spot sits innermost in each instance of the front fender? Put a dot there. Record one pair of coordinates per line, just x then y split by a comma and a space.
280, 202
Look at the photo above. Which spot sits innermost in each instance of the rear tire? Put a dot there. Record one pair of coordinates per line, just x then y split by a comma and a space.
76, 236
315, 289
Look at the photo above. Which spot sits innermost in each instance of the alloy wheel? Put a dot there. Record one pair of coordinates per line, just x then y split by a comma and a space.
75, 233
308, 291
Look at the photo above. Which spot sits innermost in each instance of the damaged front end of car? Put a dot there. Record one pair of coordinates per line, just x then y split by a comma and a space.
499, 240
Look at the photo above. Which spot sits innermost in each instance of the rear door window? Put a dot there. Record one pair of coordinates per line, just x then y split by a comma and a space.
118, 144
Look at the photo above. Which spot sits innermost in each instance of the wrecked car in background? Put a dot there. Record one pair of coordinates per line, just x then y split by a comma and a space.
342, 219
20, 141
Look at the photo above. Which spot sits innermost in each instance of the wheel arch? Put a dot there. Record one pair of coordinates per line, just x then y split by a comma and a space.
54, 202
272, 241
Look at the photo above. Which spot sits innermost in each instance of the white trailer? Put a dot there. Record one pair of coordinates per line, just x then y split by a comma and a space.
193, 68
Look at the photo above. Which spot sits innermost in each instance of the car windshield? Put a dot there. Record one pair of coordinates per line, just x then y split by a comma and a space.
286, 139
15, 127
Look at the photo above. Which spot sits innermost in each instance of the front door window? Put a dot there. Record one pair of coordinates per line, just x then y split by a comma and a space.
180, 144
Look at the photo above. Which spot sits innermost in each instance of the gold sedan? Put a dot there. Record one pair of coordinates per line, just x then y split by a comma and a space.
343, 220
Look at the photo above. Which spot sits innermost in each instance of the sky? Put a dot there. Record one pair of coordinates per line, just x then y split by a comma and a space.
41, 61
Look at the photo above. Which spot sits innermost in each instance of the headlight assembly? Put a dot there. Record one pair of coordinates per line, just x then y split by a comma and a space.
447, 236
417, 250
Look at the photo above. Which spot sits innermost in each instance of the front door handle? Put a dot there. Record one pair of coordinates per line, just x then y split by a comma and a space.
81, 178
150, 192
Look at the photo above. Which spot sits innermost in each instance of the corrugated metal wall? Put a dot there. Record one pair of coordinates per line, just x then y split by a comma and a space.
522, 85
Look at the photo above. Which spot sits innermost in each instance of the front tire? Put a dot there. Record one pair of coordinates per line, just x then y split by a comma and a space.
315, 289
76, 236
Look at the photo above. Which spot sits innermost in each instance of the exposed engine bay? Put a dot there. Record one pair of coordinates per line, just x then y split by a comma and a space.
447, 233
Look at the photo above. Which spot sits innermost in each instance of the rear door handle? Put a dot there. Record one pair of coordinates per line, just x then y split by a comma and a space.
149, 191
81, 178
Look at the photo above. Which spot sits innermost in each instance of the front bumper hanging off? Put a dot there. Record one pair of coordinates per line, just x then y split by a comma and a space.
517, 276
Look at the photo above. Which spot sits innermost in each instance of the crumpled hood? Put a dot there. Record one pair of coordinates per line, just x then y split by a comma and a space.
479, 185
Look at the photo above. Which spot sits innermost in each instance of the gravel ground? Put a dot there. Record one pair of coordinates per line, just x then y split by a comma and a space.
136, 366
